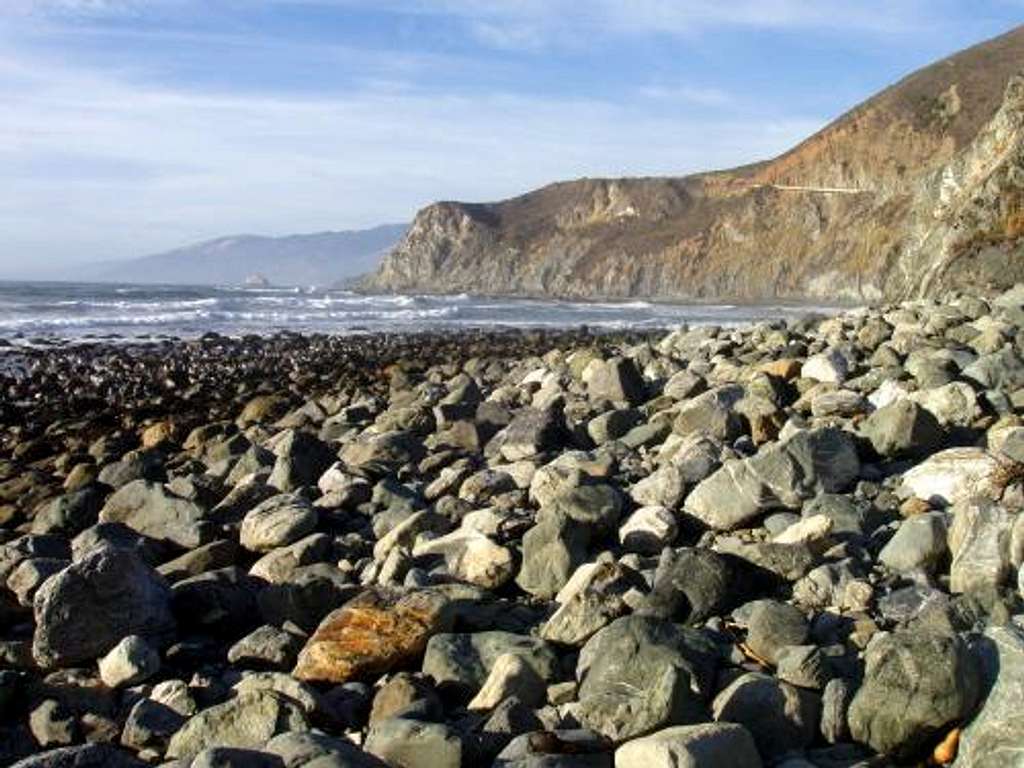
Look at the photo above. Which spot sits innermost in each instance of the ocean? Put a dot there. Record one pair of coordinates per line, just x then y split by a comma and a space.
31, 311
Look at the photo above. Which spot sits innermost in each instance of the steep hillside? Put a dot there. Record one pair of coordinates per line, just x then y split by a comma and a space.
321, 259
917, 189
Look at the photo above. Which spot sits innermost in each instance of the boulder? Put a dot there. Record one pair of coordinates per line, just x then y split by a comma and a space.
277, 522
780, 717
246, 722
370, 635
979, 539
617, 380
640, 674
461, 663
780, 476
150, 509
130, 662
86, 609
954, 475
916, 685
993, 738
918, 544
707, 745
901, 429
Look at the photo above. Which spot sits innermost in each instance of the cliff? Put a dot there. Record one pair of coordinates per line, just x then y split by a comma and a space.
914, 191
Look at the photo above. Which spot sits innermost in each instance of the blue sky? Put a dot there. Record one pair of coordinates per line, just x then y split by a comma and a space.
133, 126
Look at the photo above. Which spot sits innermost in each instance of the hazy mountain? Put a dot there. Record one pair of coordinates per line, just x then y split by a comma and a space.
916, 190
322, 259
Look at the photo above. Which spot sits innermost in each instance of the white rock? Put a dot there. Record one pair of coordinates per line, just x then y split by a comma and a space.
888, 392
955, 475
511, 675
131, 661
809, 529
471, 557
649, 530
954, 404
830, 367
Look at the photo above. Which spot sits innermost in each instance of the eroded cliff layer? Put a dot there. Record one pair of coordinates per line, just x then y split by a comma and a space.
919, 189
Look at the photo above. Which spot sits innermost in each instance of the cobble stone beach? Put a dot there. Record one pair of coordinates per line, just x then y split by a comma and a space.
792, 543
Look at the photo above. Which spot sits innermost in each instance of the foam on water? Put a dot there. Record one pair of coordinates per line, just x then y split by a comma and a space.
74, 310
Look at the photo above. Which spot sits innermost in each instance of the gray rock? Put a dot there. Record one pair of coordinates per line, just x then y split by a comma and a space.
802, 665
780, 476
780, 716
918, 544
220, 601
268, 647
639, 674
595, 603
301, 460
150, 725
86, 609
532, 432
30, 574
552, 550
556, 749
316, 750
131, 661
707, 745
150, 509
665, 487
277, 522
410, 744
617, 380
902, 429
71, 513
712, 414
979, 539
230, 757
915, 685
461, 662
246, 722
993, 738
693, 585
85, 756
772, 625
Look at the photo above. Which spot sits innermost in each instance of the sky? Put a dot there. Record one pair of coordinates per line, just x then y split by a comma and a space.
129, 127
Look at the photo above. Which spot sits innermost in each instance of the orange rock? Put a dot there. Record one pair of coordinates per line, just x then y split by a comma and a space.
786, 368
159, 433
945, 753
914, 506
370, 635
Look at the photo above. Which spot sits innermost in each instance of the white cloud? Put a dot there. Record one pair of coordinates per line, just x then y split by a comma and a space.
101, 166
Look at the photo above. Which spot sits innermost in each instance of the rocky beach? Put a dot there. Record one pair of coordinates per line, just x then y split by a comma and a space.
793, 543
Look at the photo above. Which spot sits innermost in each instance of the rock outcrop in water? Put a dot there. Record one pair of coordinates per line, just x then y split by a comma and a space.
798, 543
915, 191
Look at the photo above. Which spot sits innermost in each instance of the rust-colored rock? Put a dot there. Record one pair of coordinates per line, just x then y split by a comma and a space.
372, 634
787, 368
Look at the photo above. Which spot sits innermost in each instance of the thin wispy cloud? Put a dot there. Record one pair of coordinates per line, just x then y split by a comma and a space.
131, 126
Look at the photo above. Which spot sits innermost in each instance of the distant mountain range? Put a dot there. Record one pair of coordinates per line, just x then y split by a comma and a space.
323, 258
918, 190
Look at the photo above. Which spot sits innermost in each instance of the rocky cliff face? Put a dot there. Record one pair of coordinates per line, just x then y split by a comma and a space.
917, 190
